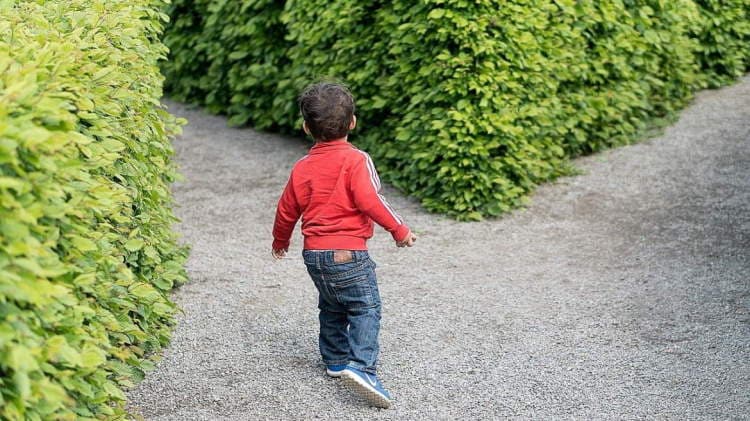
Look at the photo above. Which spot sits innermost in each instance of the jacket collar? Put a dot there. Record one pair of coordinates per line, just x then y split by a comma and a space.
330, 145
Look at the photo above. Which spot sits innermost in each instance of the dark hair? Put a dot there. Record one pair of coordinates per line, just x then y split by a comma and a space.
328, 109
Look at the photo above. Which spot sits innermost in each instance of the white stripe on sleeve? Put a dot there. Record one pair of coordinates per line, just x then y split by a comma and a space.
390, 210
374, 179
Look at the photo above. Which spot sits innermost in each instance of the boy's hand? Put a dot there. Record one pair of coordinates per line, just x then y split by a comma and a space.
408, 241
278, 254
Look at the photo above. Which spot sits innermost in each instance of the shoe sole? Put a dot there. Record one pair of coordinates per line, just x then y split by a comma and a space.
334, 373
372, 396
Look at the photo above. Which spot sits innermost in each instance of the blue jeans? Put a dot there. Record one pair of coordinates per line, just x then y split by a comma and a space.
349, 304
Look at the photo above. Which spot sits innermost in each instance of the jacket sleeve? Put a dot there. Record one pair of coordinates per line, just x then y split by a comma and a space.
365, 188
287, 214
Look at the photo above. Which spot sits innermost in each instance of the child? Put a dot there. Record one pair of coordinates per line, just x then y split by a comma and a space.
335, 189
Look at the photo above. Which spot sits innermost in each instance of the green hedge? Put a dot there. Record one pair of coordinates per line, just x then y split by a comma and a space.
87, 254
466, 105
724, 52
232, 50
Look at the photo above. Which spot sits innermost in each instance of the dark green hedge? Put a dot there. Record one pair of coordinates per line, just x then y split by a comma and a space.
466, 105
231, 49
87, 254
724, 36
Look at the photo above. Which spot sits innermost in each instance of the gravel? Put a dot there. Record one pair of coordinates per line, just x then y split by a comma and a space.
621, 293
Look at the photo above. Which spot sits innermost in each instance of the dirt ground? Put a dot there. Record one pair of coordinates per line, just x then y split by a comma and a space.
621, 293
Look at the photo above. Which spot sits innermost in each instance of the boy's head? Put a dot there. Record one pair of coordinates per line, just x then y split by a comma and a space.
328, 110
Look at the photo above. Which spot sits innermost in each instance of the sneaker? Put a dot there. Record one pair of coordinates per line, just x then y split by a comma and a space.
335, 370
368, 386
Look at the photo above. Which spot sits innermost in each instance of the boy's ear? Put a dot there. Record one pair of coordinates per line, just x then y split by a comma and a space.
353, 124
304, 127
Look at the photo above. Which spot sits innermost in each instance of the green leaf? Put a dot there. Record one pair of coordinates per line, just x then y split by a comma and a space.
22, 384
145, 291
134, 244
237, 55
436, 14
20, 359
12, 183
83, 244
92, 357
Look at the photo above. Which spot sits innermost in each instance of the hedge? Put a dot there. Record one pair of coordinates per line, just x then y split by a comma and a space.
466, 105
229, 48
724, 51
87, 253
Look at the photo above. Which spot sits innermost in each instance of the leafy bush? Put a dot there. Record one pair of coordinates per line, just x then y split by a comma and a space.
466, 105
725, 39
233, 50
636, 63
86, 249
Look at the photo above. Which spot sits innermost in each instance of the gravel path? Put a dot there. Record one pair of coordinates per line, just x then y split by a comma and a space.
623, 293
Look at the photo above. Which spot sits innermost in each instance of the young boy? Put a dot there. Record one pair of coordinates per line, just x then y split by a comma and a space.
335, 190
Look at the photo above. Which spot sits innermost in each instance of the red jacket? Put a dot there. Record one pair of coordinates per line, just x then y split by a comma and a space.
335, 189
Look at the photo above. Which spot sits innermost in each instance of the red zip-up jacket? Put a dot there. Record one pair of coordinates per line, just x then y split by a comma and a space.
336, 191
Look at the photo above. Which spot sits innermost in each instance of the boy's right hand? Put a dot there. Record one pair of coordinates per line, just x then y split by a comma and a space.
278, 253
408, 241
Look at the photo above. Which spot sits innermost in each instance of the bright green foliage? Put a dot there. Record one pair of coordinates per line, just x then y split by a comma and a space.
86, 249
635, 62
725, 39
467, 105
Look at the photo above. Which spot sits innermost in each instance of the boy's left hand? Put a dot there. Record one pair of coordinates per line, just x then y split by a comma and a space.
278, 254
408, 241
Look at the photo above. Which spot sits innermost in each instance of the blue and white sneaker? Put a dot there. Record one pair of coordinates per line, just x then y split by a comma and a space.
335, 370
366, 385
